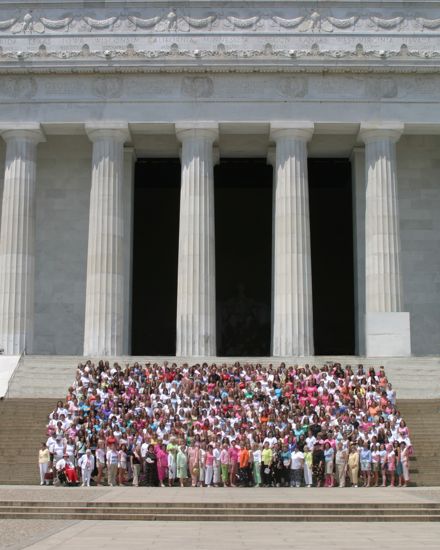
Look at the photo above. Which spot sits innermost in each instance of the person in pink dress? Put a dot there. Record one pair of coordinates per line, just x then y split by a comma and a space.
193, 462
162, 463
233, 463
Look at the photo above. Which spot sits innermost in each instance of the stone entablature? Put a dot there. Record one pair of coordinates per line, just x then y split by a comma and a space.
227, 34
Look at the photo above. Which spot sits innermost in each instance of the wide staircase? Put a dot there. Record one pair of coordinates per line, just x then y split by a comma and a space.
423, 419
39, 381
22, 429
251, 511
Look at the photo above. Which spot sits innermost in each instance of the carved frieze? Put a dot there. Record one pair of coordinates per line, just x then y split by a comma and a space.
219, 31
173, 21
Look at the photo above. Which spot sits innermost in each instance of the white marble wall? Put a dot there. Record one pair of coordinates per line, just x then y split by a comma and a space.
2, 172
418, 166
62, 214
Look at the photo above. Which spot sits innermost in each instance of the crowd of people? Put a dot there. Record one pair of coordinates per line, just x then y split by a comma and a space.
234, 425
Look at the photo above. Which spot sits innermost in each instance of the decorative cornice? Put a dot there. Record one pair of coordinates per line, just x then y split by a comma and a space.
221, 52
195, 36
305, 21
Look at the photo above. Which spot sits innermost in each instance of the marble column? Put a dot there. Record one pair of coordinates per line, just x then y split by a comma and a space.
292, 331
104, 315
387, 326
17, 238
196, 321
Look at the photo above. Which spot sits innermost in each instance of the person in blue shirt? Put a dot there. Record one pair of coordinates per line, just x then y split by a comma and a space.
365, 459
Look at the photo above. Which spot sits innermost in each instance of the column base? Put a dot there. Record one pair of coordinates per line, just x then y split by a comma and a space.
387, 334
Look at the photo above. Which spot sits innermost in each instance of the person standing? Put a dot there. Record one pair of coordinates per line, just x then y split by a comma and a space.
308, 463
216, 475
243, 461
182, 465
224, 464
151, 467
266, 464
365, 457
404, 460
256, 464
341, 461
353, 465
43, 463
209, 466
122, 464
172, 466
329, 458
391, 464
136, 459
318, 464
162, 463
296, 467
112, 465
87, 465
100, 461
233, 464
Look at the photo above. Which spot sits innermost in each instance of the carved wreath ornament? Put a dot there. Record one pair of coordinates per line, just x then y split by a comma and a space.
172, 22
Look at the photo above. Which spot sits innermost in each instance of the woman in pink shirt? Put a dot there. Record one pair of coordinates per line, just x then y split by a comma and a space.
162, 463
209, 466
233, 462
193, 462
224, 464
391, 463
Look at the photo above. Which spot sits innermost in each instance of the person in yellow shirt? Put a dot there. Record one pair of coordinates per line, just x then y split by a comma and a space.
43, 463
353, 465
266, 465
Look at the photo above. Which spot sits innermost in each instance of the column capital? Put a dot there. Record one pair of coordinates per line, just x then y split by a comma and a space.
302, 130
28, 130
107, 130
186, 130
372, 131
271, 155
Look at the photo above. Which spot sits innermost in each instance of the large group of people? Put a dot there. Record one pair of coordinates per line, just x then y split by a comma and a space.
225, 425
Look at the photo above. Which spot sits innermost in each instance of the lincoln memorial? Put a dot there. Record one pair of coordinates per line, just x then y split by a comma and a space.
220, 178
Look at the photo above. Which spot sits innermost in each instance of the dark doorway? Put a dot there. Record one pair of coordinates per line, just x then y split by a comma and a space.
331, 224
155, 254
243, 232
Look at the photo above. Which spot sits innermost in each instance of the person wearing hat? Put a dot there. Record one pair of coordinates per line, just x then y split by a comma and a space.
87, 465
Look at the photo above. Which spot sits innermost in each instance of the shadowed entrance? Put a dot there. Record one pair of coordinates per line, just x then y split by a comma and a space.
331, 225
243, 227
155, 253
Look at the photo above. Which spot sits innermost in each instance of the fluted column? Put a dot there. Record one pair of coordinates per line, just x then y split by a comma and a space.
196, 326
17, 238
104, 315
384, 299
292, 331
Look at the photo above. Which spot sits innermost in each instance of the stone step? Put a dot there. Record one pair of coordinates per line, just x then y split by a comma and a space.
219, 505
248, 517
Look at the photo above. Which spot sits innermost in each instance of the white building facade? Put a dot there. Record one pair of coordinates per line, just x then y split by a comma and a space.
86, 88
